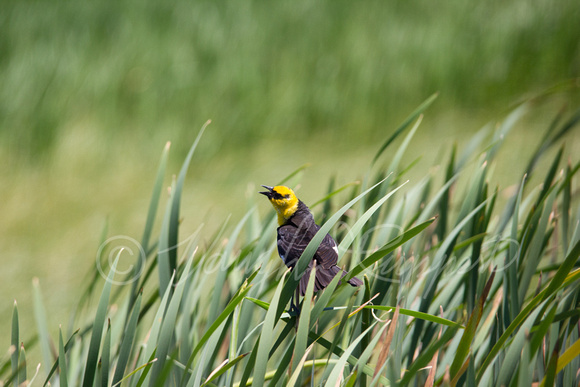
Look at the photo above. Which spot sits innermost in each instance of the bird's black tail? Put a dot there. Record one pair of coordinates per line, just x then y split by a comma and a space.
323, 278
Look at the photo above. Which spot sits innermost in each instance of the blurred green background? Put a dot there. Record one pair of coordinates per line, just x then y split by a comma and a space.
91, 91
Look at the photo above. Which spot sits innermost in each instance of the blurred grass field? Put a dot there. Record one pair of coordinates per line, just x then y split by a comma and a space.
92, 91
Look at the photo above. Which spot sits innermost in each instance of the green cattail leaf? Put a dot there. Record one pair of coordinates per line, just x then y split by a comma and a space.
223, 265
127, 343
145, 369
150, 348
565, 206
323, 299
369, 349
570, 354
339, 332
542, 329
105, 357
67, 347
412, 117
561, 278
286, 359
21, 365
525, 369
63, 374
339, 352
155, 196
426, 355
333, 193
168, 325
549, 179
98, 325
226, 365
165, 246
15, 344
418, 315
551, 372
436, 268
462, 352
360, 223
151, 214
386, 249
173, 229
148, 364
304, 318
229, 309
294, 173
296, 374
42, 325
337, 370
266, 336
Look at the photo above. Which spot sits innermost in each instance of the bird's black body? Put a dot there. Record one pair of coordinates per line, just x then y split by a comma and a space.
293, 237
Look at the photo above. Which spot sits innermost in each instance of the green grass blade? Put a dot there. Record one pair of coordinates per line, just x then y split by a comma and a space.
570, 354
412, 117
41, 324
225, 366
294, 173
386, 249
176, 203
296, 374
326, 198
418, 315
145, 369
550, 377
339, 352
154, 203
370, 348
67, 347
229, 309
223, 271
150, 348
464, 347
127, 342
168, 325
304, 318
267, 335
21, 365
436, 269
105, 357
15, 343
98, 324
323, 299
336, 373
148, 364
341, 326
63, 374
358, 226
426, 355
151, 214
560, 278
165, 246
396, 160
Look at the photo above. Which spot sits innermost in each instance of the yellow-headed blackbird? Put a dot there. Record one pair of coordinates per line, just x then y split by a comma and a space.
296, 229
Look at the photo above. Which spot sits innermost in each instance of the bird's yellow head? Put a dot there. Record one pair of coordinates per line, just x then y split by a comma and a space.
284, 201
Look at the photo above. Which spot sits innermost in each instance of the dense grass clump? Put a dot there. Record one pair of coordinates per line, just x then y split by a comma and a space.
462, 286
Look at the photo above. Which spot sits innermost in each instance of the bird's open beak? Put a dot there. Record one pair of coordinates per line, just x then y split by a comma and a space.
269, 192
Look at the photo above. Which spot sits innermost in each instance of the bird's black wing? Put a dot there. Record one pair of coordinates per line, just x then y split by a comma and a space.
291, 243
327, 253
